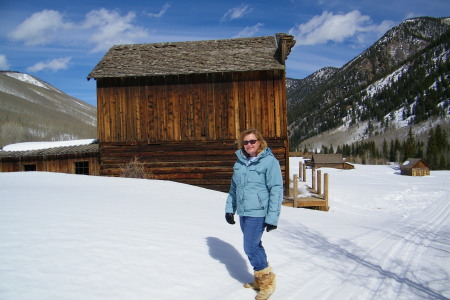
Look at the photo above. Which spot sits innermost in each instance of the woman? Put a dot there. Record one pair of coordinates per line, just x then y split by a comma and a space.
256, 194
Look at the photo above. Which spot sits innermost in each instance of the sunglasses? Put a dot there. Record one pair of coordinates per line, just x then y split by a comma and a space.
251, 142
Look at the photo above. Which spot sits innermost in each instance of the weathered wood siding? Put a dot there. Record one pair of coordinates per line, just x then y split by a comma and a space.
55, 164
185, 126
199, 107
419, 169
202, 164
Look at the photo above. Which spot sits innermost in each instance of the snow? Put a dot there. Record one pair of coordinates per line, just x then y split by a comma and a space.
27, 146
30, 79
387, 81
65, 236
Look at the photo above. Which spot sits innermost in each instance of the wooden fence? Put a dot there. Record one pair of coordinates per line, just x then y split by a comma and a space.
318, 198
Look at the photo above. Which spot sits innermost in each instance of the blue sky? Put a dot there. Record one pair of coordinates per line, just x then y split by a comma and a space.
61, 41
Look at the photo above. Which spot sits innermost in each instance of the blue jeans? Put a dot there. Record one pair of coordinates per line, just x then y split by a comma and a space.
253, 228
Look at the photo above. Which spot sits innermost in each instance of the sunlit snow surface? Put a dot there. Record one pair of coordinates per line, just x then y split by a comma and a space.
63, 236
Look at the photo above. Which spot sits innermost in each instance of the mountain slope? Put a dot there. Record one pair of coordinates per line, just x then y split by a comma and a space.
32, 110
403, 79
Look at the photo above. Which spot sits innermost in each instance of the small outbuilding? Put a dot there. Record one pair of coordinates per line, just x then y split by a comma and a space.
74, 159
180, 106
330, 161
415, 167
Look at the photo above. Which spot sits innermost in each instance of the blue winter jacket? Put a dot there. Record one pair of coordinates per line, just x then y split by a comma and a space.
256, 188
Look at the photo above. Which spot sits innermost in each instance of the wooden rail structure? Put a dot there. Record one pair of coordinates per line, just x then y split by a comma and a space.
318, 198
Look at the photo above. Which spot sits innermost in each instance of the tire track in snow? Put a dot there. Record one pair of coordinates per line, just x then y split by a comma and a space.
391, 274
422, 233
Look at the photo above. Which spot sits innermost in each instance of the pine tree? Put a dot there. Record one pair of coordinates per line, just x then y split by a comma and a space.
385, 149
410, 145
432, 151
392, 152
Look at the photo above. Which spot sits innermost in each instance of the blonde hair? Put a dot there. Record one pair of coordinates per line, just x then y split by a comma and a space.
263, 143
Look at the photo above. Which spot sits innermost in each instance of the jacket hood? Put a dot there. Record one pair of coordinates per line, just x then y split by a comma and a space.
241, 156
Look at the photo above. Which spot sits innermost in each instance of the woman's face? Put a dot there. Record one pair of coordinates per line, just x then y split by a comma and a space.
251, 149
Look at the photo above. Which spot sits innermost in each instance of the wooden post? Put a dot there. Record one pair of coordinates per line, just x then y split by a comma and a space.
300, 169
295, 190
325, 193
304, 172
291, 190
319, 182
313, 173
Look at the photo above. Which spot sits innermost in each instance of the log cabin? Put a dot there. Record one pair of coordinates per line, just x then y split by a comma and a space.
76, 159
330, 161
179, 106
415, 167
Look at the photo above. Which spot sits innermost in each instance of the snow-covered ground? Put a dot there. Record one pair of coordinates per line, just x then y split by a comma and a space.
63, 236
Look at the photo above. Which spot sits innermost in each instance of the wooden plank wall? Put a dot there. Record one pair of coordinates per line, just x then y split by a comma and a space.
198, 107
208, 165
58, 165
185, 126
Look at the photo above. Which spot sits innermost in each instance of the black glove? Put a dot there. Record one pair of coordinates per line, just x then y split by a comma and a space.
270, 227
230, 218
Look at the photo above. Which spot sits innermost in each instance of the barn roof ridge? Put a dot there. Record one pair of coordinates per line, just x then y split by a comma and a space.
59, 150
410, 162
194, 57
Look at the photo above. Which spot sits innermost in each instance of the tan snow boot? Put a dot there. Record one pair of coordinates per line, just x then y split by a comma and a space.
266, 282
253, 285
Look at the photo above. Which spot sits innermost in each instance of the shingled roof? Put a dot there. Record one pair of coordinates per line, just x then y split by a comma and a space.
229, 55
411, 163
328, 158
51, 152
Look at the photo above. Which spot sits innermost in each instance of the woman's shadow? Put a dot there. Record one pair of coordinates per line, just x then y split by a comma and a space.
225, 253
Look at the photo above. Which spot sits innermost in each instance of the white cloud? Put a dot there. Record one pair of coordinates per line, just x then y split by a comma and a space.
41, 28
236, 13
161, 12
52, 65
100, 29
111, 28
337, 28
3, 62
249, 31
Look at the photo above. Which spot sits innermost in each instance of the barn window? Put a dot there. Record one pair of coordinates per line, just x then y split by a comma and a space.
29, 167
82, 167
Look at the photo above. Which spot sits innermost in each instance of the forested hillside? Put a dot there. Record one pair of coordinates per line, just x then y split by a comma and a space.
32, 110
401, 81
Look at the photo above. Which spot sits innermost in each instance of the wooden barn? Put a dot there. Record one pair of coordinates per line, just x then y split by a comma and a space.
80, 159
179, 107
415, 167
330, 161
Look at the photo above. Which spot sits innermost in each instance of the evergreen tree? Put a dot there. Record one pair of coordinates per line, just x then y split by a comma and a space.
432, 151
385, 149
410, 145
392, 152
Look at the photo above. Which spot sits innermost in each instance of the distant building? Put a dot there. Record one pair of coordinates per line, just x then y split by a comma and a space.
79, 159
330, 161
415, 167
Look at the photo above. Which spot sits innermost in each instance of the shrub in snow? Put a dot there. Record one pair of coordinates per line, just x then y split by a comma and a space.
135, 169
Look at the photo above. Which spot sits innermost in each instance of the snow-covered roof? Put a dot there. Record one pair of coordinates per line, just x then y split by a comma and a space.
33, 150
411, 163
28, 146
